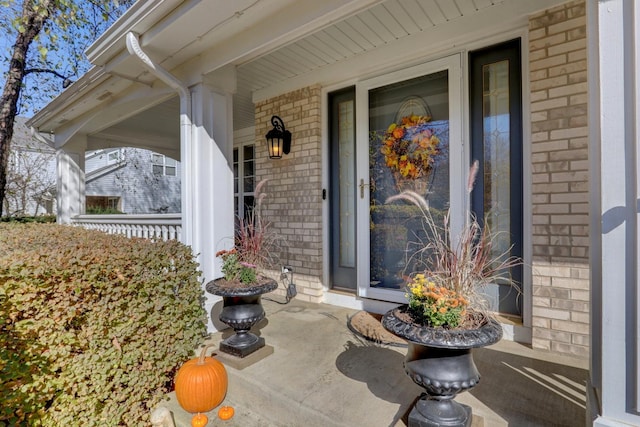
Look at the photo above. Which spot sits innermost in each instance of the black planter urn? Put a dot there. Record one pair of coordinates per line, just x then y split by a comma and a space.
440, 361
241, 310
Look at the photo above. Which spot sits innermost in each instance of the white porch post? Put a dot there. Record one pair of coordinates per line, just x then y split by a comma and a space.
70, 179
208, 185
614, 103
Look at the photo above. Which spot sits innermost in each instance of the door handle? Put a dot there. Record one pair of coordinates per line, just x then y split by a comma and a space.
362, 185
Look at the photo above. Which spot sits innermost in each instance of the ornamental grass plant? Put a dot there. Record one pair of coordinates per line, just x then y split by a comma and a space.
449, 290
257, 246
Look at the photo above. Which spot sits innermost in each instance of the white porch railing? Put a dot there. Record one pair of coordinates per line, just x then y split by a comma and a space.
149, 226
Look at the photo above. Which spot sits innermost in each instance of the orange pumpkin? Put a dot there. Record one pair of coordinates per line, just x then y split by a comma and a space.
199, 420
201, 383
225, 412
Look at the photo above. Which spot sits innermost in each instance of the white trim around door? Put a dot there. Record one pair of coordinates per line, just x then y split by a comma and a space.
458, 169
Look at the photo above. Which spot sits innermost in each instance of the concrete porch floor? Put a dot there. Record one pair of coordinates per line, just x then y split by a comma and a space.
322, 374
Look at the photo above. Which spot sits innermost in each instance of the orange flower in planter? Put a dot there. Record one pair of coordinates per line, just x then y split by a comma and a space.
434, 305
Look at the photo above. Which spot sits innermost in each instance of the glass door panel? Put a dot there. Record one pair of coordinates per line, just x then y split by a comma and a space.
496, 139
342, 191
409, 146
497, 171
411, 121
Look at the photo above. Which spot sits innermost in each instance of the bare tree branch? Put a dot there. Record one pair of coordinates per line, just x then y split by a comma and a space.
66, 80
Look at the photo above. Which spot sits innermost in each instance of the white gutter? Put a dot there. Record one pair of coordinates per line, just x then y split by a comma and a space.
133, 46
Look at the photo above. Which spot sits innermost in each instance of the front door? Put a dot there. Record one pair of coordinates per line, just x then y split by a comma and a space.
409, 137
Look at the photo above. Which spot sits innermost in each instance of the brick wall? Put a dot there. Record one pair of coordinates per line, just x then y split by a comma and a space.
558, 83
294, 203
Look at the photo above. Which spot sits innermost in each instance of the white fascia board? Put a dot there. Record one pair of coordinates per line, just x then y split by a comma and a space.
140, 17
89, 80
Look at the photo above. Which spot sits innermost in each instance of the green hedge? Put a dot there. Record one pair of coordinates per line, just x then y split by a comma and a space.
92, 326
26, 219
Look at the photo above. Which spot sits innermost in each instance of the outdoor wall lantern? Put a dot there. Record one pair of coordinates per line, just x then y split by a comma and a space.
278, 139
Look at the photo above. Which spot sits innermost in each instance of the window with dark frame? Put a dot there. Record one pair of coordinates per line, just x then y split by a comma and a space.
495, 88
244, 179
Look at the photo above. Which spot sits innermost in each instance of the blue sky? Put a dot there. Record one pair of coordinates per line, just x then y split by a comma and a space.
41, 88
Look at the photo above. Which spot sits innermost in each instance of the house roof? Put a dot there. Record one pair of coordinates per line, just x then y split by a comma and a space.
271, 44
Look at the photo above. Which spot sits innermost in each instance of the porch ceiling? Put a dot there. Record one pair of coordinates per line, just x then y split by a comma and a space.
384, 23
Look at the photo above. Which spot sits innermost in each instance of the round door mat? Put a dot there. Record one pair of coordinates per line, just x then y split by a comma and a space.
368, 326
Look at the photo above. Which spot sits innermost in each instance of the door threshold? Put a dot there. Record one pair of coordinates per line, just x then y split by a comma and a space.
342, 298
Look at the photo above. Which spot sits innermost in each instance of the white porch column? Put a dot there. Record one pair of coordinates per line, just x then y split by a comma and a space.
614, 104
207, 185
70, 179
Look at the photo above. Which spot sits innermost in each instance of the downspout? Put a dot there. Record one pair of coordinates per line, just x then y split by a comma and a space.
133, 46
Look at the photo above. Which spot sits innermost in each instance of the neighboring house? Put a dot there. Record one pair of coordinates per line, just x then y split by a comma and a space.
31, 175
131, 181
543, 93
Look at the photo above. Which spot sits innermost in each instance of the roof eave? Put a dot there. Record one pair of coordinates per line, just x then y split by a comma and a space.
141, 16
89, 80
